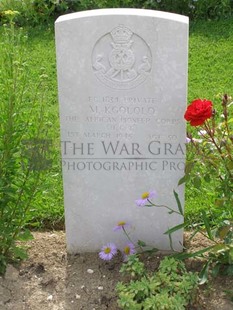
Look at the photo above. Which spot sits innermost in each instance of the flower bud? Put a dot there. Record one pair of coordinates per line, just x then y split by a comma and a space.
224, 100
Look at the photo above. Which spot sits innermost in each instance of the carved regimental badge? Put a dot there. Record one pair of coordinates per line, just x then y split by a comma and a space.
121, 59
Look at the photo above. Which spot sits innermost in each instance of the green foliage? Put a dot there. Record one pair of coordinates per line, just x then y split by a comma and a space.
195, 9
170, 288
35, 12
212, 148
220, 255
209, 54
213, 9
21, 120
133, 267
47, 210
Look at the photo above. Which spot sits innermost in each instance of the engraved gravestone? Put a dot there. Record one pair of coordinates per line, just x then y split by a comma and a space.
122, 79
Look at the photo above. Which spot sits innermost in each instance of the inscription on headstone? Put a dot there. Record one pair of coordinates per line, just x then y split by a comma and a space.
122, 80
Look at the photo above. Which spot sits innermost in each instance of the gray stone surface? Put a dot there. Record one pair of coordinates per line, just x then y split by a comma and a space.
122, 78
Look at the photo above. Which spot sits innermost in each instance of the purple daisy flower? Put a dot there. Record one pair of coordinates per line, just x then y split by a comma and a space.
108, 251
129, 249
144, 198
120, 225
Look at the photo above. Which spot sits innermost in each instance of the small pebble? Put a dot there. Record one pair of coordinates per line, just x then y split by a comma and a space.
52, 235
50, 297
77, 296
90, 271
82, 287
104, 276
100, 288
72, 301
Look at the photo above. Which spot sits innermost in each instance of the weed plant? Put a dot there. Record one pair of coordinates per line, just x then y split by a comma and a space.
22, 143
169, 288
212, 146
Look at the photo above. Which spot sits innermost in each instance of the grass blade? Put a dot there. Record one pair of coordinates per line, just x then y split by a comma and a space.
178, 202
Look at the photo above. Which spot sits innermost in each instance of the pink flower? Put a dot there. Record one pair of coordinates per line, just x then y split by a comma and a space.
120, 226
129, 249
108, 251
145, 198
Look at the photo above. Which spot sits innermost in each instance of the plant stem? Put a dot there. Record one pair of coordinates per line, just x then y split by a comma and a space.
162, 206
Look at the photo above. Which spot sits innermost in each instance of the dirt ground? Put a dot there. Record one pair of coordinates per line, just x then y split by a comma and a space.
49, 279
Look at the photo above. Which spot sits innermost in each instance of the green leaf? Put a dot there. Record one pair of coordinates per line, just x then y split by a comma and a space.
25, 236
183, 180
141, 243
203, 276
229, 270
207, 224
230, 165
194, 234
153, 250
188, 167
231, 256
207, 178
195, 254
218, 248
175, 228
178, 202
215, 270
3, 264
20, 253
223, 231
197, 181
170, 242
220, 202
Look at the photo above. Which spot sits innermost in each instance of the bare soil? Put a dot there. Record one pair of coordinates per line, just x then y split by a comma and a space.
51, 279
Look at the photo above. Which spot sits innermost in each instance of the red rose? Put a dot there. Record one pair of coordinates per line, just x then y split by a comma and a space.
198, 111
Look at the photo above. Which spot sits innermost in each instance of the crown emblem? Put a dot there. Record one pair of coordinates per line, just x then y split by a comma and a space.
121, 34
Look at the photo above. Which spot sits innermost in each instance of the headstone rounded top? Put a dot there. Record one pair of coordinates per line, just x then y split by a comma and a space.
132, 12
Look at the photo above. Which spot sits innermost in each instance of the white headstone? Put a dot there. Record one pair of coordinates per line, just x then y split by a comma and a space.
122, 79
